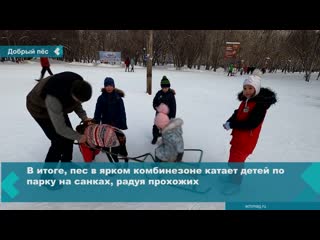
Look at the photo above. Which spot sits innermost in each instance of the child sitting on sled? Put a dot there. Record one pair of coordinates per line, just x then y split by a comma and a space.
171, 147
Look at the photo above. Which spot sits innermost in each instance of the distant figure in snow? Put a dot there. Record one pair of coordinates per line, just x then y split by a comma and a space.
45, 64
132, 64
127, 63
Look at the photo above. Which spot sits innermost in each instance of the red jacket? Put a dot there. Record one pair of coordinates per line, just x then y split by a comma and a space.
245, 139
44, 62
247, 120
127, 62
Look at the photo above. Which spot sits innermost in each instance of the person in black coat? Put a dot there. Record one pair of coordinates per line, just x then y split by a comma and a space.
167, 96
110, 110
50, 102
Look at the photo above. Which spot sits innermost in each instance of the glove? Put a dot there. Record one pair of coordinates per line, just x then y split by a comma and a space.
89, 121
83, 139
226, 126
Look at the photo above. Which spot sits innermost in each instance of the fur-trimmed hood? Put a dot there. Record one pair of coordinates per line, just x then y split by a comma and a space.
265, 96
116, 90
174, 123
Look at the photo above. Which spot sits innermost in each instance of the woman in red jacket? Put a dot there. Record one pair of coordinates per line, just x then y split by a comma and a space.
247, 120
45, 67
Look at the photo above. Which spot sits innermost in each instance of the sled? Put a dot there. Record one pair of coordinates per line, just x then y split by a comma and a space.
195, 150
103, 137
143, 157
89, 154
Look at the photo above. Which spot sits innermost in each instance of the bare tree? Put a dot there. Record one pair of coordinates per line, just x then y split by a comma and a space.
217, 42
306, 44
177, 41
295, 51
159, 46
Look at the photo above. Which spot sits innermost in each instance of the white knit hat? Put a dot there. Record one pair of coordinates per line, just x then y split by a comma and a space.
254, 81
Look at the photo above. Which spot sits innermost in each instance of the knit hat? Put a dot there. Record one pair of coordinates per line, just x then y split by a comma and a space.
254, 81
163, 108
165, 82
161, 120
81, 90
108, 81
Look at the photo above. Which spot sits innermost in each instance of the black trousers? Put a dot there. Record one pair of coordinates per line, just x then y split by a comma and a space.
43, 71
121, 149
61, 148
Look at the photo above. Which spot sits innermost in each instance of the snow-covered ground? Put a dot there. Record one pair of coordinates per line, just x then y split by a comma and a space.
205, 100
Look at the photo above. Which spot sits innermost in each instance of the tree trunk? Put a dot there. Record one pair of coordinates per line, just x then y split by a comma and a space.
312, 59
149, 63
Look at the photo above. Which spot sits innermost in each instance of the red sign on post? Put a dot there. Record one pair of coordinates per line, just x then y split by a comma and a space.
232, 48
